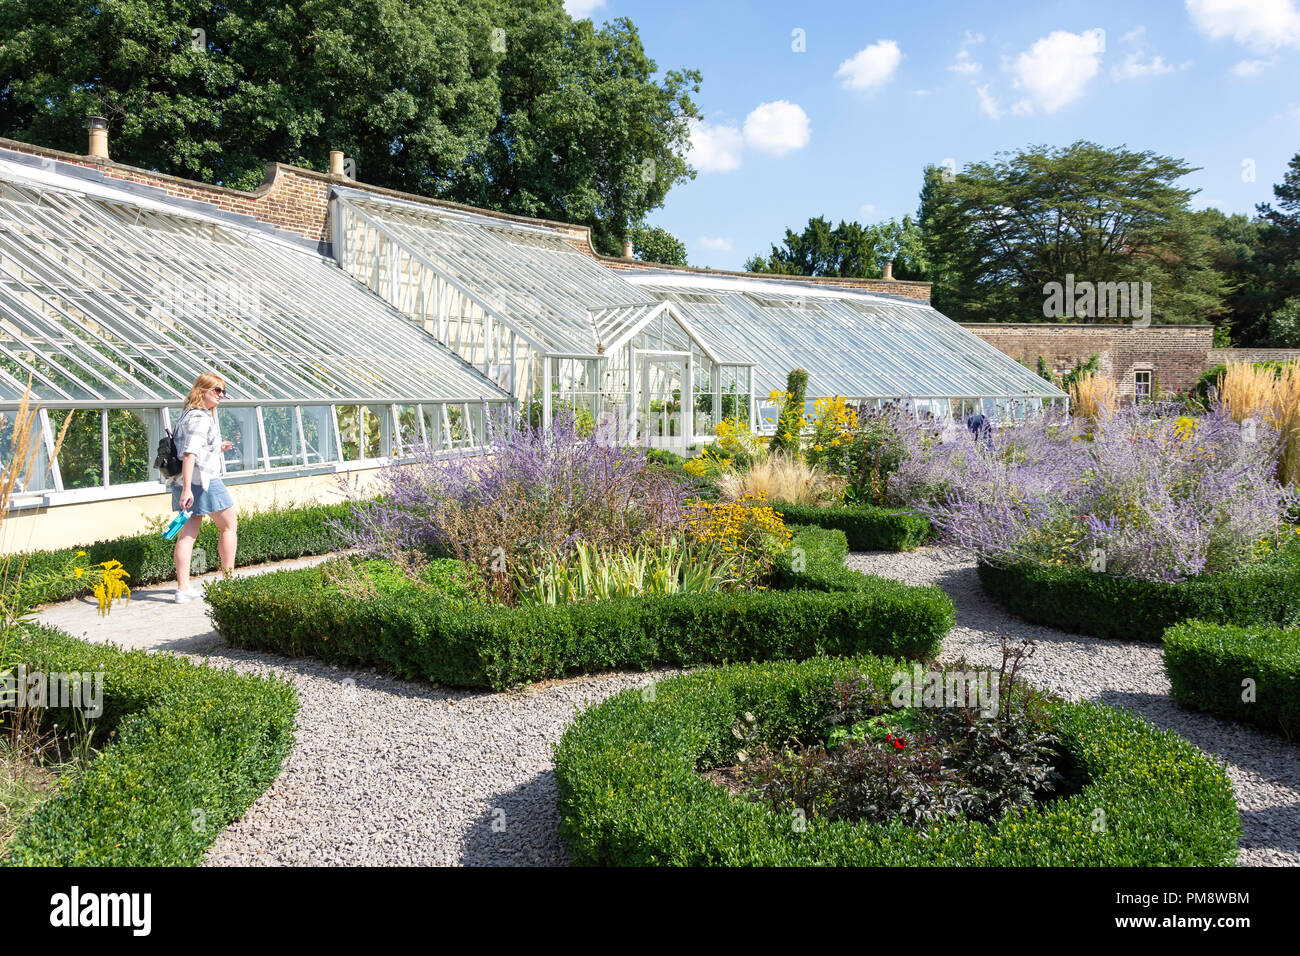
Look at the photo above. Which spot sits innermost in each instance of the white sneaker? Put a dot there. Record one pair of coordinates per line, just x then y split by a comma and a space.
184, 596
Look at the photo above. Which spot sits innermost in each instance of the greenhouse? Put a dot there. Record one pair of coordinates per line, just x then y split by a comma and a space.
560, 331
869, 349
111, 303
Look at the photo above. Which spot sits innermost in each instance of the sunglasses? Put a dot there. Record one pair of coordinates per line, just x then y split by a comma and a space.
220, 391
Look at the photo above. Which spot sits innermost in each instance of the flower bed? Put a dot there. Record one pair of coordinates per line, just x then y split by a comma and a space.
817, 606
1104, 605
193, 748
1251, 674
631, 790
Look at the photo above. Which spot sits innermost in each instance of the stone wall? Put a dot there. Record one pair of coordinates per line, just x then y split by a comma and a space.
1175, 355
1224, 356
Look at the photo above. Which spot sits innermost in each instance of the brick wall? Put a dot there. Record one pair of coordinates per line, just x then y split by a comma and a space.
1176, 355
1224, 356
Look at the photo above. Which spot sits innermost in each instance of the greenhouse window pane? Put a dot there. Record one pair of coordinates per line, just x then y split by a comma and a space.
433, 425
81, 459
132, 442
378, 431
38, 478
281, 435
239, 426
318, 432
408, 428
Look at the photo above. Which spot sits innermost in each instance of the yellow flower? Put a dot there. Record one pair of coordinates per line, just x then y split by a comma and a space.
78, 572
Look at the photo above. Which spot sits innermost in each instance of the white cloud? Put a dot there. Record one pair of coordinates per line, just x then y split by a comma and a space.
1250, 68
988, 103
777, 128
715, 147
964, 65
581, 9
1133, 35
1055, 70
1134, 67
1258, 24
871, 67
972, 39
867, 210
715, 244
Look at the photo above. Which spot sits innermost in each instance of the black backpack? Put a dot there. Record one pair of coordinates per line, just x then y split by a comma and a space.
168, 461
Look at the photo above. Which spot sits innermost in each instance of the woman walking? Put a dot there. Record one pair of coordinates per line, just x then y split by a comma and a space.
199, 489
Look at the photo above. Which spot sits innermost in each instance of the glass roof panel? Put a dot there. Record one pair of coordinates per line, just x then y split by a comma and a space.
107, 301
851, 344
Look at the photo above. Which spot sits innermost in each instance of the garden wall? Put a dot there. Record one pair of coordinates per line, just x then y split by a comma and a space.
1176, 355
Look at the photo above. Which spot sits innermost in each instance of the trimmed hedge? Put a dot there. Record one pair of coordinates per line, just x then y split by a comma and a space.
188, 738
263, 536
1207, 664
419, 636
1085, 602
867, 527
630, 791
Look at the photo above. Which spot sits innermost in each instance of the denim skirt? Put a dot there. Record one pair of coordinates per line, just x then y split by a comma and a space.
216, 498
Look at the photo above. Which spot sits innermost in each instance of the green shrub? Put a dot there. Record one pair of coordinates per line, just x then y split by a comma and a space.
419, 636
263, 536
1208, 664
790, 422
193, 747
631, 793
868, 527
1086, 602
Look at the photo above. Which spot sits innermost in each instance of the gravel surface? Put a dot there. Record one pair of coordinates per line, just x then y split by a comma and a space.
1265, 769
393, 772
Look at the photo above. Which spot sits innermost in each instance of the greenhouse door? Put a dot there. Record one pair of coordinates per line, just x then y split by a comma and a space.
660, 379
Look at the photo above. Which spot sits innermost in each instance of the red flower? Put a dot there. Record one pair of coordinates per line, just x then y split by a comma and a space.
899, 743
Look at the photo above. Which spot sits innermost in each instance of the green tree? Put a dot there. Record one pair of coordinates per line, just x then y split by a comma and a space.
847, 250
653, 244
998, 233
1284, 325
1277, 259
507, 104
789, 424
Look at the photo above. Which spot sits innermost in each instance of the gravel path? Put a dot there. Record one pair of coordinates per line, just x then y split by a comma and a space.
402, 773
1265, 769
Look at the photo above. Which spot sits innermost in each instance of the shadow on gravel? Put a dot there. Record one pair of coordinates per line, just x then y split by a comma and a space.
520, 829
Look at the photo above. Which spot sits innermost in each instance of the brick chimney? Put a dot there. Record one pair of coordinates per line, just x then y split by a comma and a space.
627, 248
889, 270
336, 162
98, 126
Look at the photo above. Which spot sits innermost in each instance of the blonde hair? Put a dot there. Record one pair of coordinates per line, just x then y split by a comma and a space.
201, 384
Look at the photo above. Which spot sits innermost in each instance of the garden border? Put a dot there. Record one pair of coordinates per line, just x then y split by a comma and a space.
187, 738
1207, 664
867, 527
631, 793
1086, 602
835, 610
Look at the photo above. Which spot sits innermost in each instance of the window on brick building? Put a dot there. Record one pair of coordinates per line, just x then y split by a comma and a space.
1142, 385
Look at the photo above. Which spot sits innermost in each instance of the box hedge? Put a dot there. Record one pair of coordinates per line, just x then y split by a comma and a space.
1249, 673
867, 527
263, 536
191, 748
420, 636
1086, 602
631, 793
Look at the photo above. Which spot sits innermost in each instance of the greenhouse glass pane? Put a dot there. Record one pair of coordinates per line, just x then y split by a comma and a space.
34, 468
239, 426
318, 432
281, 435
132, 443
81, 457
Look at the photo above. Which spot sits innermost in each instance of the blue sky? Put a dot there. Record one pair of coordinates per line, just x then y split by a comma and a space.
844, 127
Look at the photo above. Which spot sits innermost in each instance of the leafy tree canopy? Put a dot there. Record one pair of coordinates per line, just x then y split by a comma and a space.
847, 250
998, 233
653, 244
508, 104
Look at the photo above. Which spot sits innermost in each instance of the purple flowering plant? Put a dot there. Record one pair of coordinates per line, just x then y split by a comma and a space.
1143, 492
533, 492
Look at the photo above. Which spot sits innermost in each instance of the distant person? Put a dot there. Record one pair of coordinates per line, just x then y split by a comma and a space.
981, 430
199, 489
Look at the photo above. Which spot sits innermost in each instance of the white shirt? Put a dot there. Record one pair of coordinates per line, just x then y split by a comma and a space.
198, 433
